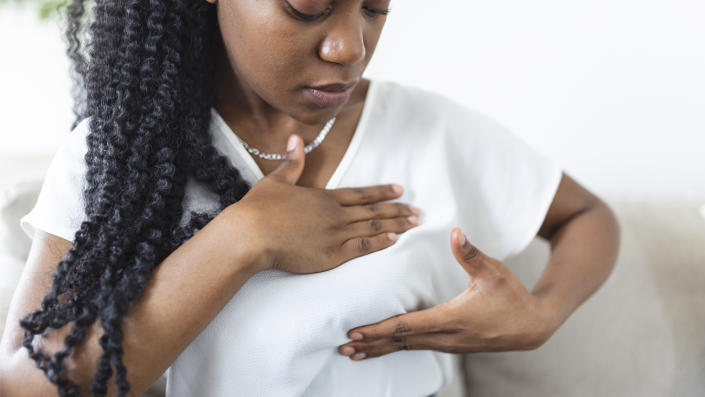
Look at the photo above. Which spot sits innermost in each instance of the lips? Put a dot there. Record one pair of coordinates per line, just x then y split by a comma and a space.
331, 95
336, 87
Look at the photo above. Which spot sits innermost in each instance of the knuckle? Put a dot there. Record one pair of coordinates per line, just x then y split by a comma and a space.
400, 341
498, 278
402, 209
375, 225
373, 208
401, 329
328, 194
471, 254
362, 194
363, 244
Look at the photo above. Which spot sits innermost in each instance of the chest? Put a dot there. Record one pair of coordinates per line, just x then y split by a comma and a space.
280, 331
319, 164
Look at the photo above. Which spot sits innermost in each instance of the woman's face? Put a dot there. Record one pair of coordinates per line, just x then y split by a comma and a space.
279, 49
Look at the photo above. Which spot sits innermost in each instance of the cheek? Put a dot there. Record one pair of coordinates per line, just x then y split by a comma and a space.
261, 44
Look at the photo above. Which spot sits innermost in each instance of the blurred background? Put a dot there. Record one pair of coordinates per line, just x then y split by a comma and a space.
614, 90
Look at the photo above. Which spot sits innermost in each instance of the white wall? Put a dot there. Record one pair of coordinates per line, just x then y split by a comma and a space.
613, 89
35, 98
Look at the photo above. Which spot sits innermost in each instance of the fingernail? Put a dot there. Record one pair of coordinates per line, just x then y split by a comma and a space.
413, 219
392, 236
415, 210
357, 335
397, 188
291, 145
348, 350
358, 356
462, 239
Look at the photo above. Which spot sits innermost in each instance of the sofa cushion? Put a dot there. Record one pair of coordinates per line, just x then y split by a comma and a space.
641, 334
15, 201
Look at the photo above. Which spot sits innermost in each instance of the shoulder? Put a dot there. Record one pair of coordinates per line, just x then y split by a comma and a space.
58, 209
68, 167
73, 148
416, 107
76, 138
395, 96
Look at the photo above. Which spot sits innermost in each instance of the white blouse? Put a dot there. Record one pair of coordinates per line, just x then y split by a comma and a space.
278, 335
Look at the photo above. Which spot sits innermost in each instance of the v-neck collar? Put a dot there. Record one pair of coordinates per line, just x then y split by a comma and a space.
334, 180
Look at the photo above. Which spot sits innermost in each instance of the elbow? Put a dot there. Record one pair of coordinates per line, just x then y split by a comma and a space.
19, 377
611, 231
13, 379
17, 381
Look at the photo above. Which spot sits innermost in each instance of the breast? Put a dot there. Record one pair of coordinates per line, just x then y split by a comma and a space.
279, 333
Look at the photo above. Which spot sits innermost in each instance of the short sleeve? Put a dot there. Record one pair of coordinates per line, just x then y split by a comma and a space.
507, 184
59, 207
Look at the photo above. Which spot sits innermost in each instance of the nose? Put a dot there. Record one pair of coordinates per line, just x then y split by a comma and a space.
344, 43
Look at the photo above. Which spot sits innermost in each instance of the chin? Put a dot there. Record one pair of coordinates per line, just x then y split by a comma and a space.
318, 116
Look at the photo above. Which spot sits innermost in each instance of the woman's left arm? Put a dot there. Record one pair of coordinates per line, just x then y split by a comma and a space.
496, 312
585, 237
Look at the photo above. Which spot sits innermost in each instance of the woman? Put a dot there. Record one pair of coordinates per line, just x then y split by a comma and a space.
178, 245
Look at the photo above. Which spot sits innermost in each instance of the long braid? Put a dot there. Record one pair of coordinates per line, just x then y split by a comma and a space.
148, 91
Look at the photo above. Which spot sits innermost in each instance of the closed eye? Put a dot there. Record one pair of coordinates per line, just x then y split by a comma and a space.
306, 17
372, 12
375, 11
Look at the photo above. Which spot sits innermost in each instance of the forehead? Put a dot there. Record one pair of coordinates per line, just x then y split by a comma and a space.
325, 3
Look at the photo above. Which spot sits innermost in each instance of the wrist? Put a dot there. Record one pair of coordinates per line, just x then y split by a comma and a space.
549, 313
239, 232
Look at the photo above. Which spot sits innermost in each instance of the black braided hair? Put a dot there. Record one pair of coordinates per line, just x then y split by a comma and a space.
143, 74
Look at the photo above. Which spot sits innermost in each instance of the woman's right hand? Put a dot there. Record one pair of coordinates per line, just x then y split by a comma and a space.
308, 230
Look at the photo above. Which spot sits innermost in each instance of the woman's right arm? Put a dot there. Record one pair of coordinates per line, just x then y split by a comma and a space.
276, 225
187, 290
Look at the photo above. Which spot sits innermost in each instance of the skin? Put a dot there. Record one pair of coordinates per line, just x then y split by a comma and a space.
317, 230
263, 98
496, 312
268, 57
346, 45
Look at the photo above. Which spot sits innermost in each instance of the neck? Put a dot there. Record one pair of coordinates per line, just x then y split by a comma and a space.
252, 118
263, 126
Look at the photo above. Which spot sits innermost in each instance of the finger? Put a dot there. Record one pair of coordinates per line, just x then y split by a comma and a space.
360, 246
433, 319
291, 168
379, 211
367, 195
374, 227
377, 348
470, 257
439, 341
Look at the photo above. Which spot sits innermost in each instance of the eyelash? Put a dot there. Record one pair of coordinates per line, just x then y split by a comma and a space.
309, 18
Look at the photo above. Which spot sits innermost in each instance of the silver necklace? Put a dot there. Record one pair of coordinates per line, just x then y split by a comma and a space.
277, 156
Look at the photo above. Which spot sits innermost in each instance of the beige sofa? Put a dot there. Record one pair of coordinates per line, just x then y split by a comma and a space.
641, 334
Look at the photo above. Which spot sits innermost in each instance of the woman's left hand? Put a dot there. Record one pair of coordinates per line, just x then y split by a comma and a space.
495, 313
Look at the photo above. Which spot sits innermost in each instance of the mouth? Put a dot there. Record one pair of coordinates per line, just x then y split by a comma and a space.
331, 95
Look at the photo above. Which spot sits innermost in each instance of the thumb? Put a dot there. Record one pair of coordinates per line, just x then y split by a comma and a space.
472, 259
289, 171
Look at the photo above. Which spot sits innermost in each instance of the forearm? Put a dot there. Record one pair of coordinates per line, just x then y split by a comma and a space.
187, 290
583, 254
